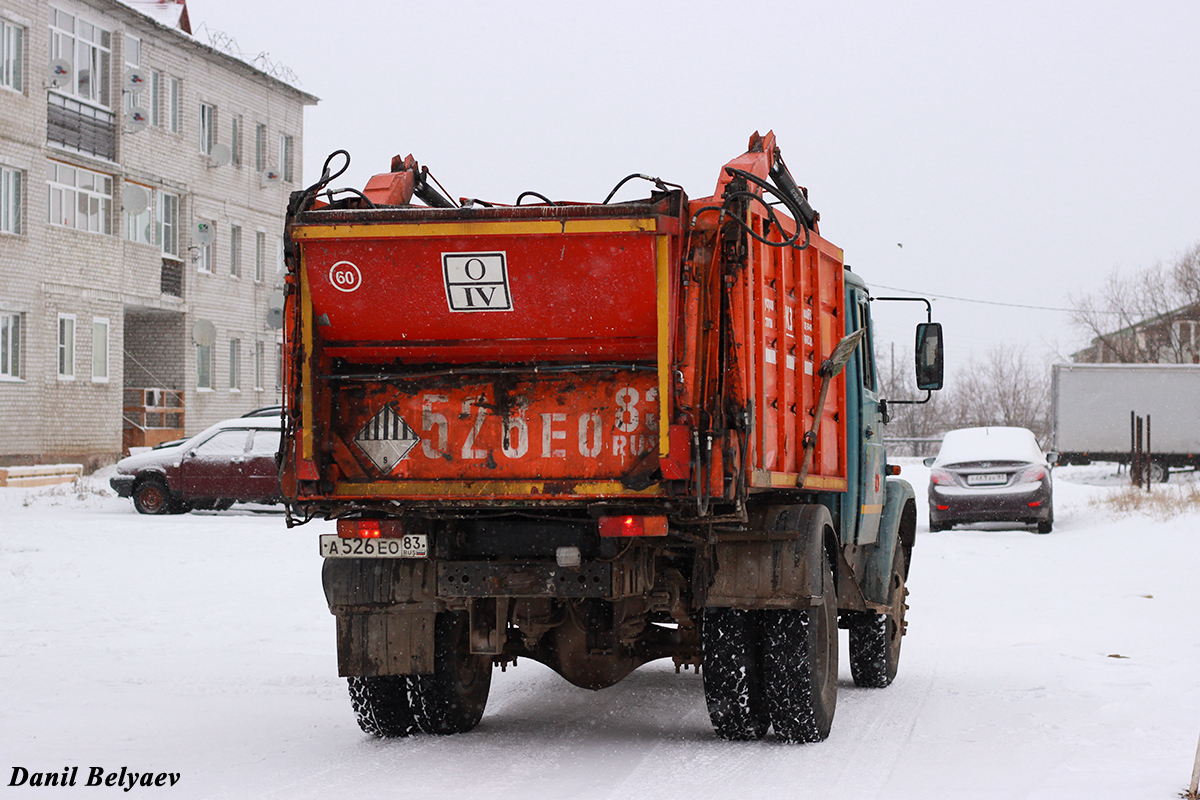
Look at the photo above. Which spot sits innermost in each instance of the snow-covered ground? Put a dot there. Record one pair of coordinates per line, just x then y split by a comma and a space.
1059, 666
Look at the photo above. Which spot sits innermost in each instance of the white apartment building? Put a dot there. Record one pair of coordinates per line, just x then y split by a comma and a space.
144, 177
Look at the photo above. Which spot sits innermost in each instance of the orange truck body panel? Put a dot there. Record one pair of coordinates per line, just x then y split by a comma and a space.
549, 353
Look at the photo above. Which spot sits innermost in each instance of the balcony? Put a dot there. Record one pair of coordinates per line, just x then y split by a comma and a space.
81, 127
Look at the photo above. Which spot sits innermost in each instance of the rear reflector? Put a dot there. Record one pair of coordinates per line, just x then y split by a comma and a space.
943, 508
369, 528
1035, 504
633, 526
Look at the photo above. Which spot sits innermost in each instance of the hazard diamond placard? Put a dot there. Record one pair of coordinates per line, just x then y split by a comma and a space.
386, 439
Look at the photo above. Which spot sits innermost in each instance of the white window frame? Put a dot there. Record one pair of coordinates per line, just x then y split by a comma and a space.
235, 140
12, 56
166, 225
260, 256
139, 227
235, 364
206, 253
260, 147
66, 347
208, 127
68, 188
12, 330
204, 367
156, 115
173, 104
260, 355
133, 46
100, 370
83, 44
285, 157
235, 251
279, 366
11, 189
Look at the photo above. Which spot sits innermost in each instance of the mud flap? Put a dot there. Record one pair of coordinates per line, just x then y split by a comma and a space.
385, 611
781, 567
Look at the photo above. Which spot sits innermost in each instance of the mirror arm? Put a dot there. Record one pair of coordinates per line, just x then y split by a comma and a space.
928, 397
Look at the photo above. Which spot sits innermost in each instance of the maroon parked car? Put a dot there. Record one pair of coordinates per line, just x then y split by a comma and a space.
233, 461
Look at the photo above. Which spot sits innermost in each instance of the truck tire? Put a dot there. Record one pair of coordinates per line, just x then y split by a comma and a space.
800, 666
381, 705
732, 675
151, 497
875, 639
452, 699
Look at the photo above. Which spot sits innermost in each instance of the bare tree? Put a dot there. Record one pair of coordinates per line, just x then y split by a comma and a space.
1006, 388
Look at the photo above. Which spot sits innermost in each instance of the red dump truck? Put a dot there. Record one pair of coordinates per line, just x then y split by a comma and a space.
593, 435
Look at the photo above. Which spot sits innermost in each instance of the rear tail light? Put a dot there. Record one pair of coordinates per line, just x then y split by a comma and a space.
1033, 475
369, 528
1035, 504
633, 526
943, 508
941, 478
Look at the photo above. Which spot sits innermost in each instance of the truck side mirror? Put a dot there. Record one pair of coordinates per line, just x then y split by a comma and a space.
930, 359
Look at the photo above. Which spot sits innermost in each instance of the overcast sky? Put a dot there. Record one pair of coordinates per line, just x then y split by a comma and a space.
1020, 152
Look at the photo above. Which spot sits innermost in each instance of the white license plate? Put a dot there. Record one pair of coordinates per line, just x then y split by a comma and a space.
412, 545
992, 479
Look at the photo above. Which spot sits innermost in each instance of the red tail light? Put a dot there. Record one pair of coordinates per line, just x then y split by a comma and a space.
633, 526
1034, 504
369, 528
941, 478
1033, 474
943, 508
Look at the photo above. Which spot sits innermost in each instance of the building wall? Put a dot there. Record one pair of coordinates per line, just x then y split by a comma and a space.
48, 270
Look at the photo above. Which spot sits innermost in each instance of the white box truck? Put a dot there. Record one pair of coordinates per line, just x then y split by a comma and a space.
1093, 407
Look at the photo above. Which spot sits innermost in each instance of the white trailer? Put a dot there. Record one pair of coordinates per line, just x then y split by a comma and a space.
1093, 407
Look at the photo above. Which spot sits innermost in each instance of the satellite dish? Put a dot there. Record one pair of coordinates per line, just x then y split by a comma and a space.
136, 119
135, 79
219, 155
205, 233
270, 177
275, 310
58, 73
134, 199
204, 333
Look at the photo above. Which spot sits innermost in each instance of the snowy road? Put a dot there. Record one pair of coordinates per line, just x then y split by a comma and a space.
1060, 666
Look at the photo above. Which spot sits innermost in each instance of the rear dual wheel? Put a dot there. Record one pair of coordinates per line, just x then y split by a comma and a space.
449, 700
774, 668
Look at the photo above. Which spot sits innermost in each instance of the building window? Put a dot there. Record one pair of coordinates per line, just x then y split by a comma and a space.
278, 255
173, 104
10, 345
260, 147
10, 200
133, 60
235, 251
168, 223
204, 252
99, 350
260, 354
279, 366
235, 142
260, 256
137, 226
66, 346
156, 98
88, 52
203, 366
235, 365
80, 198
285, 156
12, 56
208, 127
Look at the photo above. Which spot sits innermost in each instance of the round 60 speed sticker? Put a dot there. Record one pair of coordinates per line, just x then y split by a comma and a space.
345, 276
